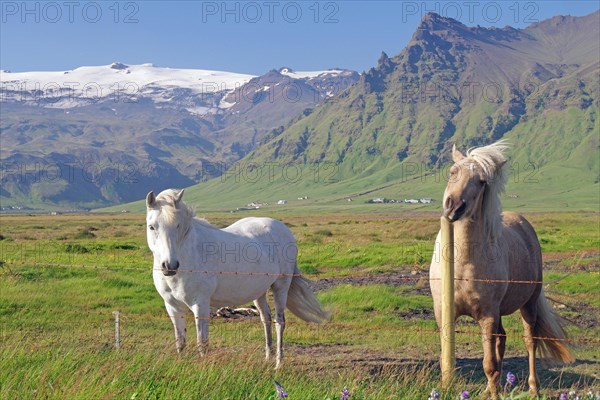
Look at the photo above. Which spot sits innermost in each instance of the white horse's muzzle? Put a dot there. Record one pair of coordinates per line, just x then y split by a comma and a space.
168, 269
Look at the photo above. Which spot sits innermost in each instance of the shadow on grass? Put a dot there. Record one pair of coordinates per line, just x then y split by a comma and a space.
551, 377
470, 369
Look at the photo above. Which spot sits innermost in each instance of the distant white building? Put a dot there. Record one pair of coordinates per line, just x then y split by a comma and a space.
426, 200
257, 204
411, 201
282, 202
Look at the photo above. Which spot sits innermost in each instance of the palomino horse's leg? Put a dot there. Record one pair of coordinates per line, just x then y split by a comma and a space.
529, 316
280, 294
265, 317
489, 327
500, 346
178, 320
202, 316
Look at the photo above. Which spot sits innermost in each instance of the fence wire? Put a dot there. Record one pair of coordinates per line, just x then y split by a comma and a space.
127, 317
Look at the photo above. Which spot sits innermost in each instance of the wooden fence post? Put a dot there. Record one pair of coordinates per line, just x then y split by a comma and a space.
448, 334
117, 330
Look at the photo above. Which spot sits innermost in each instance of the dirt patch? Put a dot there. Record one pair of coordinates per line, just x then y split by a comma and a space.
420, 313
581, 261
343, 356
579, 313
396, 279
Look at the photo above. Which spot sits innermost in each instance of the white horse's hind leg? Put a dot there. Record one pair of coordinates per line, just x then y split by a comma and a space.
280, 295
265, 317
202, 317
279, 328
178, 319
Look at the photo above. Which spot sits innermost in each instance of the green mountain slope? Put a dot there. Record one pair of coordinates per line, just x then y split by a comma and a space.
390, 134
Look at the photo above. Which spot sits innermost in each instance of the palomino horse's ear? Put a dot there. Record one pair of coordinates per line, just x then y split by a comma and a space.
456, 155
178, 196
150, 200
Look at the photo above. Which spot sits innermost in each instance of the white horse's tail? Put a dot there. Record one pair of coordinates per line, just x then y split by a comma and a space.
302, 301
549, 328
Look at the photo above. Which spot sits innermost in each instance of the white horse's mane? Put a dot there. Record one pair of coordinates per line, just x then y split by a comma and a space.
491, 159
172, 211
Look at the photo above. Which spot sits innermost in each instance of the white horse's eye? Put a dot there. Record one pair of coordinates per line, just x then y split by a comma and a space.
150, 227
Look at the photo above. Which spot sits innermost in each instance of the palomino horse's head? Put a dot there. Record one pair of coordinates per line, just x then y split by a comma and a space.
471, 176
167, 222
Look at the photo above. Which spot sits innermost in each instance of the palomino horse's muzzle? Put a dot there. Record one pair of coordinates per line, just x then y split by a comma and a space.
453, 210
168, 269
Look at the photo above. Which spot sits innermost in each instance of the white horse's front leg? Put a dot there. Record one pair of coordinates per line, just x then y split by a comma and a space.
202, 317
178, 319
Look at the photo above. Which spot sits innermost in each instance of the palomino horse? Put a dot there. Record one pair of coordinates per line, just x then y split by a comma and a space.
197, 265
496, 254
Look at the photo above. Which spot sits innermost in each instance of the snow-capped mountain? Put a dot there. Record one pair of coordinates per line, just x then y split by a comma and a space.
195, 90
170, 127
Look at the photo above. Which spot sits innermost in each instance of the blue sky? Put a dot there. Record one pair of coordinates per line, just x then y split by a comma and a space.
240, 36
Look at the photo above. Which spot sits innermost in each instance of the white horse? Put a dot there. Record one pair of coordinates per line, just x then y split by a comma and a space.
197, 265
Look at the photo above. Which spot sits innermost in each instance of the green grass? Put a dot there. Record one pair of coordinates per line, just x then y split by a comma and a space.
57, 327
576, 286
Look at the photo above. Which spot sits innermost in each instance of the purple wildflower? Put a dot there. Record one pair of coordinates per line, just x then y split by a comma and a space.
563, 396
465, 395
435, 395
345, 394
511, 379
281, 393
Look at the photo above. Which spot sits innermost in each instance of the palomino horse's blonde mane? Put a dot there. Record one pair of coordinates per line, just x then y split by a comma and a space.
491, 160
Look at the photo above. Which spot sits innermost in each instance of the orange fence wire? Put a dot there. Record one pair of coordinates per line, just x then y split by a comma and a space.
344, 326
363, 276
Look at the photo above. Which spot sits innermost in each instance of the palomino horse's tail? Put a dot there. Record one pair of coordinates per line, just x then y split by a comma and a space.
549, 328
302, 301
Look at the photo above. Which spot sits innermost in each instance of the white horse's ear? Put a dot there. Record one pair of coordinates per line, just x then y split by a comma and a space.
456, 155
178, 196
150, 200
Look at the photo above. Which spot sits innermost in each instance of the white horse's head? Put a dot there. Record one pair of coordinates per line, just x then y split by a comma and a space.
167, 223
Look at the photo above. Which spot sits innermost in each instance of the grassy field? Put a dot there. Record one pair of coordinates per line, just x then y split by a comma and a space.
63, 276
